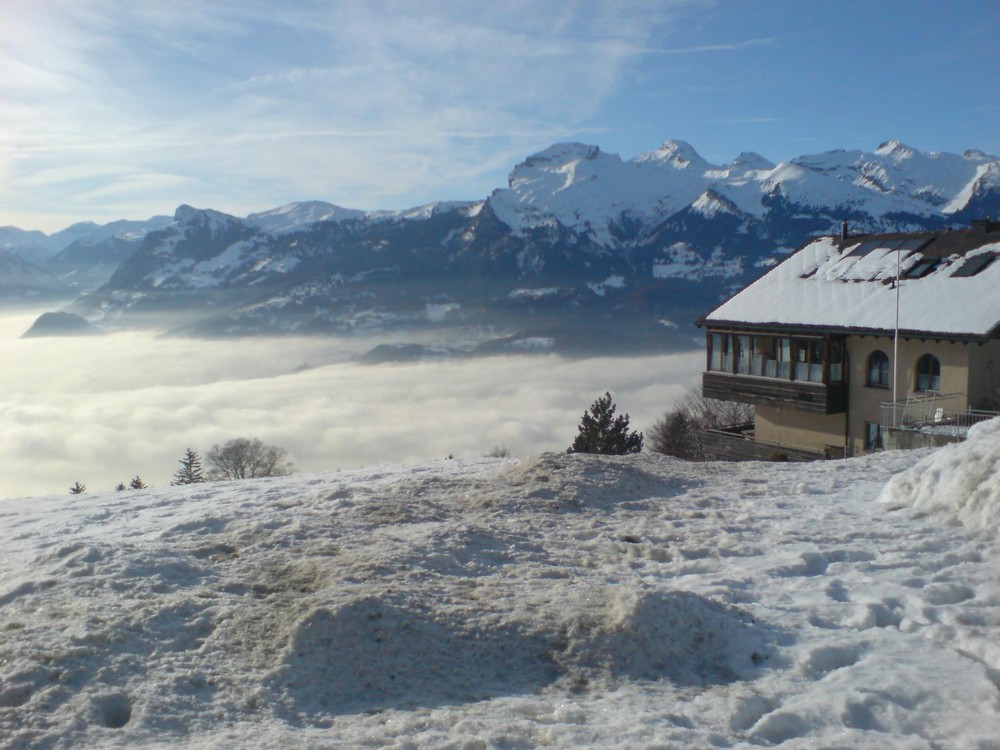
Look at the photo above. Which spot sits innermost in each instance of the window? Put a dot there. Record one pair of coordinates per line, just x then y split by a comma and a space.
836, 361
809, 360
922, 267
878, 369
769, 356
914, 244
750, 353
928, 373
974, 265
873, 436
715, 352
760, 347
744, 354
784, 358
721, 358
866, 247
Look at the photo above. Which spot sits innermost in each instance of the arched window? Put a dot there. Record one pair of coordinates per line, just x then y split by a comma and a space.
928, 373
878, 369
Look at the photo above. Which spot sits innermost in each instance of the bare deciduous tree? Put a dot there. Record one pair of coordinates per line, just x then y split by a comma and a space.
246, 458
679, 431
498, 451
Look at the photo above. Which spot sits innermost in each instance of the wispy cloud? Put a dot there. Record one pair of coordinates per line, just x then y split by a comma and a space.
378, 104
703, 48
747, 120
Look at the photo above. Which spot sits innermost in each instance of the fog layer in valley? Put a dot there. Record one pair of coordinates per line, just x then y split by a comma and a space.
103, 409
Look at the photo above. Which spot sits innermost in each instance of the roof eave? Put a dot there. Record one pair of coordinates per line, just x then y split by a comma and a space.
773, 327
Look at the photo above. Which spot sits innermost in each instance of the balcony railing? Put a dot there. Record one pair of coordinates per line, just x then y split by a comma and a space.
933, 413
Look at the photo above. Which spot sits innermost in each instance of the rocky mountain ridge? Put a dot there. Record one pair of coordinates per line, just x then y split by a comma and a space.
579, 243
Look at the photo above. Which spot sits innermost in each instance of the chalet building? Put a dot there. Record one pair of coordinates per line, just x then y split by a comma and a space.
855, 343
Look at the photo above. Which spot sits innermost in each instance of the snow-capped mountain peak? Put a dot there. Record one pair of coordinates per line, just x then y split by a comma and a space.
751, 160
974, 154
896, 150
572, 217
300, 215
677, 154
205, 219
710, 204
561, 153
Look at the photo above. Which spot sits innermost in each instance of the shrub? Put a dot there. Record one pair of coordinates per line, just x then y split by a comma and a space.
679, 432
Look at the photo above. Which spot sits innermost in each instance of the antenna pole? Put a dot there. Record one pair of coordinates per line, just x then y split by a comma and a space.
895, 349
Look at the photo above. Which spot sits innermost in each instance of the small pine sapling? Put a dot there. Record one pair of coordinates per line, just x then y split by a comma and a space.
601, 431
191, 471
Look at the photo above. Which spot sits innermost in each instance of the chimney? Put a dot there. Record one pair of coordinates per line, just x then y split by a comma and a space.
843, 231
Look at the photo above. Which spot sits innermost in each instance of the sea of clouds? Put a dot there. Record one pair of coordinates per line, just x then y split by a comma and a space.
103, 409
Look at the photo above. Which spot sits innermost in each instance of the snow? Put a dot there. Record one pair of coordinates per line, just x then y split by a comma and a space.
214, 270
960, 481
586, 189
299, 216
985, 174
822, 285
590, 191
612, 282
559, 600
537, 293
709, 205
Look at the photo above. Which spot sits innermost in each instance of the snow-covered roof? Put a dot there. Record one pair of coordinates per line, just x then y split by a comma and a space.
849, 285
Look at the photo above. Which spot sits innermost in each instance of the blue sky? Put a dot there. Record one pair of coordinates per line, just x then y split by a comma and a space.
112, 109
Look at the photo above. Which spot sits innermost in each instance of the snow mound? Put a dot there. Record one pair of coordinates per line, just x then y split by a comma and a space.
962, 480
567, 481
378, 652
375, 652
563, 600
677, 636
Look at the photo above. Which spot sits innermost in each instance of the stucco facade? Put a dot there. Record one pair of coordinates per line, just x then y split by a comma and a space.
795, 429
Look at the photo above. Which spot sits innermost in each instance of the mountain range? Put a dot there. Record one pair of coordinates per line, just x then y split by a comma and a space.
581, 251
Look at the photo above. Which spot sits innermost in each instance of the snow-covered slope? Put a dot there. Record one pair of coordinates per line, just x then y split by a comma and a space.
587, 190
583, 188
299, 215
561, 600
24, 282
75, 260
677, 233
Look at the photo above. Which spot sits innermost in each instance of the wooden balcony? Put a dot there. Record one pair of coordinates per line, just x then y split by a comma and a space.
817, 398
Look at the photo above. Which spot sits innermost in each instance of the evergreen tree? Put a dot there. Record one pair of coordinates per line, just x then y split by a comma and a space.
137, 484
120, 487
601, 431
77, 488
191, 471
